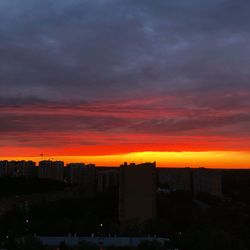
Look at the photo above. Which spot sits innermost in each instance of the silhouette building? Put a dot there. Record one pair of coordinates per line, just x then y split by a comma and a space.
195, 180
17, 168
51, 170
84, 176
175, 178
207, 181
107, 179
137, 192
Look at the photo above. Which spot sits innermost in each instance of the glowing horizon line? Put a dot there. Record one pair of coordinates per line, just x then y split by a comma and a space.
207, 159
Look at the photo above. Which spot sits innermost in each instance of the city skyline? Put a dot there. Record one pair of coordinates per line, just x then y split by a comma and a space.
111, 161
120, 80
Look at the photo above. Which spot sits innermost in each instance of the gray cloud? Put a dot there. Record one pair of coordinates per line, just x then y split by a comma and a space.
73, 50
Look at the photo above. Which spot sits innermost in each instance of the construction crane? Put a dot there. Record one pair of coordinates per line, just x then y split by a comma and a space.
42, 155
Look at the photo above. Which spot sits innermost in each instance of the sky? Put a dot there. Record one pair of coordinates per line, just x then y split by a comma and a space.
108, 81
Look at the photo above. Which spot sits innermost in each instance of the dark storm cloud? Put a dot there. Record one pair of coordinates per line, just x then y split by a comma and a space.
72, 50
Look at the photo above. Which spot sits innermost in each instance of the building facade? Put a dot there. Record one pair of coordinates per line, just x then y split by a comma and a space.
195, 180
137, 192
18, 168
207, 181
83, 176
51, 170
107, 179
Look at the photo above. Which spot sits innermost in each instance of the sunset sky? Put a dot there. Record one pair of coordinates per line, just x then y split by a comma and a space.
108, 81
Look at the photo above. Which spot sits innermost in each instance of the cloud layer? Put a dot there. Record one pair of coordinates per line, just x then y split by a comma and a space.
125, 72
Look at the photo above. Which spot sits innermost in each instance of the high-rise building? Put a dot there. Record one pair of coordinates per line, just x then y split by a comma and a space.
195, 180
3, 168
17, 168
107, 179
51, 170
207, 181
137, 192
175, 178
82, 175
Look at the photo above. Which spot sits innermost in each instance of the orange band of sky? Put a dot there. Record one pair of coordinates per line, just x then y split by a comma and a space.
210, 159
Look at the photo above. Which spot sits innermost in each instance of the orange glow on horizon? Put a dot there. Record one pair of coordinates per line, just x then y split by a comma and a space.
208, 159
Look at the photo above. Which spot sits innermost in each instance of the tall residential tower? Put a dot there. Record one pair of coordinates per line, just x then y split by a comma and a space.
137, 192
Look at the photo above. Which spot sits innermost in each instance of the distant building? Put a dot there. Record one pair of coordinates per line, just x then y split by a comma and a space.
17, 168
107, 179
25, 168
207, 181
11, 168
195, 180
3, 168
80, 173
137, 192
83, 175
175, 178
51, 170
125, 242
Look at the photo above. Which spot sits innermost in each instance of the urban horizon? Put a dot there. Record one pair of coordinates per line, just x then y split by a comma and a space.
112, 164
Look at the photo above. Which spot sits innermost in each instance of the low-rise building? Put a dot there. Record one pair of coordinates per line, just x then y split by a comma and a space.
74, 240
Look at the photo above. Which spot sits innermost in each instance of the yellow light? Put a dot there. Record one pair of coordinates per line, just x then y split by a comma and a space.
210, 159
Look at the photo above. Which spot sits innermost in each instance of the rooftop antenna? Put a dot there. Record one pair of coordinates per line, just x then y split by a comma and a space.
42, 155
